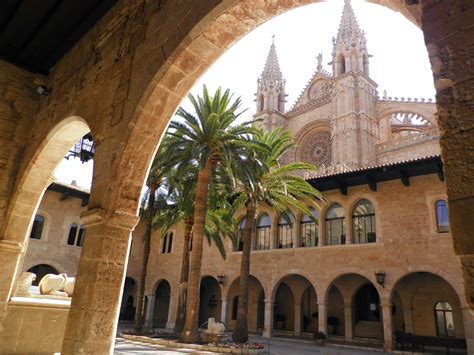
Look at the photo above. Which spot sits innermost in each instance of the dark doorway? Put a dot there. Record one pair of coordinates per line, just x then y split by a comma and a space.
41, 271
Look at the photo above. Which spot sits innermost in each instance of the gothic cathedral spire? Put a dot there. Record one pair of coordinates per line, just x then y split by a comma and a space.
271, 85
349, 47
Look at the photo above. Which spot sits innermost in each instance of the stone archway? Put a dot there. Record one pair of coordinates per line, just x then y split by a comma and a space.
210, 303
256, 304
417, 294
41, 270
127, 309
162, 304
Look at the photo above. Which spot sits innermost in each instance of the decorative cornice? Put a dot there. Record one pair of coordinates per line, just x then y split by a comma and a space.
119, 219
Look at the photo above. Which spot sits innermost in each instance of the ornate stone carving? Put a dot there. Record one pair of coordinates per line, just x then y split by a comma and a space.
315, 148
24, 283
57, 285
318, 89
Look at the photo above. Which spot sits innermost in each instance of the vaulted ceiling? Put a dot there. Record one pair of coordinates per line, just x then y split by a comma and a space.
35, 34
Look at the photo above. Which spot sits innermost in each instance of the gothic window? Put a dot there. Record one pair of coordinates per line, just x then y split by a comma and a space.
309, 230
335, 225
37, 229
167, 243
285, 230
366, 65
71, 239
260, 103
315, 148
342, 65
263, 232
363, 222
442, 218
240, 234
444, 319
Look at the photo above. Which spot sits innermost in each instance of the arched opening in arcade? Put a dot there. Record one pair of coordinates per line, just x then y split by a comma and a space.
256, 304
210, 300
40, 271
427, 305
295, 308
161, 309
127, 308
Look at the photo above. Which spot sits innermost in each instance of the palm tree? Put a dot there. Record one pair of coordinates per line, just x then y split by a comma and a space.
273, 184
206, 139
161, 165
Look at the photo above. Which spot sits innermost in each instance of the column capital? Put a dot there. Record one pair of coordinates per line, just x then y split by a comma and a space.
322, 303
11, 246
119, 219
385, 304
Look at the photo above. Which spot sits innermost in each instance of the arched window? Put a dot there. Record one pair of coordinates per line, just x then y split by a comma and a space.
170, 243
363, 222
240, 235
285, 230
71, 239
263, 232
235, 307
81, 236
261, 102
309, 230
442, 218
37, 229
335, 225
163, 246
444, 319
342, 65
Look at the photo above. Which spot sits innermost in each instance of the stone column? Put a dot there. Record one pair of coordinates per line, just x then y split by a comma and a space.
297, 234
150, 310
348, 335
93, 316
321, 232
224, 310
11, 253
468, 320
268, 325
297, 319
171, 312
322, 317
408, 319
273, 236
386, 309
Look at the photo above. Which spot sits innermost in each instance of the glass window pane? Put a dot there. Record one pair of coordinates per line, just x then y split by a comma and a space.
442, 218
440, 323
37, 228
80, 237
449, 323
71, 239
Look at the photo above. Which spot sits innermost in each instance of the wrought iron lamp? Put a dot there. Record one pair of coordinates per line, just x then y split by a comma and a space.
380, 277
221, 279
83, 149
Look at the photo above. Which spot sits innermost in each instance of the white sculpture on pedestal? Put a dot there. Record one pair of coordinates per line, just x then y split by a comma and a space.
214, 327
57, 285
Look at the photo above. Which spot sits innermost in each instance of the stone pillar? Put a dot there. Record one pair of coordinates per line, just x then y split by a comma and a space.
150, 310
297, 319
468, 320
408, 319
93, 317
348, 335
297, 234
171, 314
386, 309
224, 310
321, 232
322, 317
268, 325
274, 236
11, 253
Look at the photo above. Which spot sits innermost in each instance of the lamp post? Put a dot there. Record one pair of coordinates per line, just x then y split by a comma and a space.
380, 277
83, 149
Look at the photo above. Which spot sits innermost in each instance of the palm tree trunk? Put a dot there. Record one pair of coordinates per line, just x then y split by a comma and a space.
183, 286
190, 332
139, 316
240, 334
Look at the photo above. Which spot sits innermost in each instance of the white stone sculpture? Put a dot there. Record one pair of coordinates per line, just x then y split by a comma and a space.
57, 285
24, 283
214, 327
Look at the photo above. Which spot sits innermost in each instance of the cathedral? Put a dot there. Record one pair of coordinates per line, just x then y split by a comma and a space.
378, 264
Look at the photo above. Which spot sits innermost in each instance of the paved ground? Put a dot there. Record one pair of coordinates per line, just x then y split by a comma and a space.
276, 346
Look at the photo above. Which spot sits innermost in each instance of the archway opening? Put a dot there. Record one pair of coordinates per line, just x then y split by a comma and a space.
210, 301
40, 271
256, 304
429, 307
127, 309
284, 309
162, 304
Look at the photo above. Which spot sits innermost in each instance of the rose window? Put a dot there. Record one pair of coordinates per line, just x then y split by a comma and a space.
315, 148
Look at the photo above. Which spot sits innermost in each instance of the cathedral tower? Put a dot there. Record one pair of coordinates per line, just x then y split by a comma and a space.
354, 128
270, 96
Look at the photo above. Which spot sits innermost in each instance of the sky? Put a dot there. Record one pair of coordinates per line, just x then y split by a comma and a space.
399, 64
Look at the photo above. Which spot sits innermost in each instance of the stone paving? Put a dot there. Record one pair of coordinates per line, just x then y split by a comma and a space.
276, 346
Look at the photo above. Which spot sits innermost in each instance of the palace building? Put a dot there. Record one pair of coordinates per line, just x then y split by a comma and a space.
380, 261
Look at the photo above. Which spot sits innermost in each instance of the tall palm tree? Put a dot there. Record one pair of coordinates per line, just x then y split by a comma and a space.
161, 165
206, 138
276, 185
